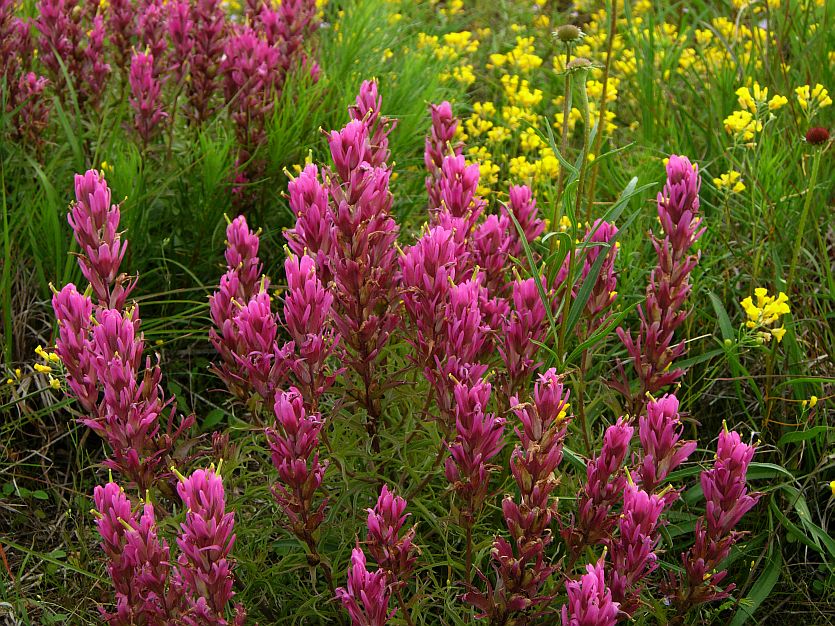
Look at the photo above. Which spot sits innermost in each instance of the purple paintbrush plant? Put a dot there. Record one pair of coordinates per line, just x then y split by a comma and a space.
653, 349
522, 566
589, 600
95, 223
145, 97
395, 552
366, 595
727, 500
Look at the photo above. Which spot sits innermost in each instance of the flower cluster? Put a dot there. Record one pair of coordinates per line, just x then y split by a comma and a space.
150, 586
589, 600
602, 490
347, 227
366, 597
246, 331
101, 347
95, 224
367, 594
238, 285
653, 349
294, 444
478, 440
766, 313
727, 501
522, 567
145, 91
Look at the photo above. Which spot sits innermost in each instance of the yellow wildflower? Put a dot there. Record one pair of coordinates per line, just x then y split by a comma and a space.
742, 125
731, 180
811, 99
530, 140
766, 312
42, 369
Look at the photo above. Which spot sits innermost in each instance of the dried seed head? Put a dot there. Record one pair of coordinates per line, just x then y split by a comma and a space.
568, 34
817, 135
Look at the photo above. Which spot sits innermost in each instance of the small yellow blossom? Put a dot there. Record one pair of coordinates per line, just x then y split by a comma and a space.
811, 99
731, 180
742, 125
777, 102
42, 369
766, 312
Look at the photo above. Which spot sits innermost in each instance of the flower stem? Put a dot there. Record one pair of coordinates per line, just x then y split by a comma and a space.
798, 240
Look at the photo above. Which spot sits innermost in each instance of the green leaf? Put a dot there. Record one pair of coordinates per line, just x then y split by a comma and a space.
803, 435
725, 325
213, 418
584, 293
40, 494
760, 589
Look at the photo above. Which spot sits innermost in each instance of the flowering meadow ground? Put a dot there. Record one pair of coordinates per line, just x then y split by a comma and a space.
391, 312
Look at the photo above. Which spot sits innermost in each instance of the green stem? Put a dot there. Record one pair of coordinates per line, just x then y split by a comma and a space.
598, 141
798, 240
566, 108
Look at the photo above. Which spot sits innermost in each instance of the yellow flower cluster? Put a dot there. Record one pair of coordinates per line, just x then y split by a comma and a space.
766, 313
756, 99
730, 181
812, 99
742, 125
521, 58
49, 359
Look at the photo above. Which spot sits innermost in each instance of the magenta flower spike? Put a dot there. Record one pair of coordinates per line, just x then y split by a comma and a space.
464, 342
145, 100
604, 291
362, 262
660, 431
311, 234
152, 567
522, 328
128, 417
478, 440
121, 25
179, 32
727, 500
394, 552
204, 568
307, 317
74, 313
350, 147
427, 272
523, 207
294, 444
457, 187
240, 283
491, 244
260, 359
95, 223
589, 600
632, 552
206, 38
367, 109
27, 99
151, 30
114, 516
521, 575
366, 595
653, 349
602, 490
439, 143
249, 69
